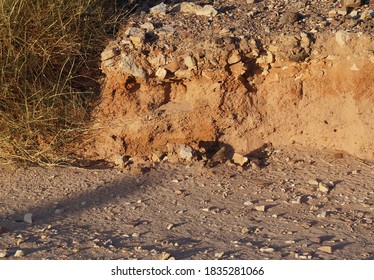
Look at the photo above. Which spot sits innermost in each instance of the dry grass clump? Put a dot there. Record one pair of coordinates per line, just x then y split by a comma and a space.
48, 66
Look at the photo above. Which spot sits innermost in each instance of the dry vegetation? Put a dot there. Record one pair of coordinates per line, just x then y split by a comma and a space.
48, 66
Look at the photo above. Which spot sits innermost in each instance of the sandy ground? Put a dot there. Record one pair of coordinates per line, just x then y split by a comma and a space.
189, 211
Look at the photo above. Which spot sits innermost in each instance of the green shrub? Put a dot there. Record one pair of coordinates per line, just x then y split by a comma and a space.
48, 73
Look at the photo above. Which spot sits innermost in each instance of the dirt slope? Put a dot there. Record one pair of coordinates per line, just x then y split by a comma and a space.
289, 73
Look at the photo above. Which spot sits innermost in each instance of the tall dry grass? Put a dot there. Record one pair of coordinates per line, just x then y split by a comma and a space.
48, 66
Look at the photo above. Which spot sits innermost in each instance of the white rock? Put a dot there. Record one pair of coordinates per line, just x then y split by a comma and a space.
248, 203
185, 153
190, 62
28, 218
207, 10
161, 73
342, 37
129, 66
354, 67
3, 254
239, 159
187, 7
261, 208
19, 253
159, 9
147, 26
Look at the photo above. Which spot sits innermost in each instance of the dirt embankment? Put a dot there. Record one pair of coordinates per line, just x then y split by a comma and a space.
176, 76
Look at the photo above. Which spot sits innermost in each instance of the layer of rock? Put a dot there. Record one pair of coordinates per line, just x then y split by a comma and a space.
171, 81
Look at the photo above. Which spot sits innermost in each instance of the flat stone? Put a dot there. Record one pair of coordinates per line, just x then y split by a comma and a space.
323, 187
3, 254
185, 153
161, 73
261, 208
19, 253
351, 3
28, 218
159, 9
342, 37
267, 250
239, 159
313, 182
207, 11
326, 249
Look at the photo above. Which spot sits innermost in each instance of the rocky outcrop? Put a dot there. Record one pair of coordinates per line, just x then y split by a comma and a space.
171, 81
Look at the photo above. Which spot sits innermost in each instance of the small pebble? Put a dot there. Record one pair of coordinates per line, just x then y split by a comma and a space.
28, 218
326, 249
261, 208
19, 253
3, 254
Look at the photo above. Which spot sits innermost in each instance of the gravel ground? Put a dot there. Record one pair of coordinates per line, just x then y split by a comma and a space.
270, 209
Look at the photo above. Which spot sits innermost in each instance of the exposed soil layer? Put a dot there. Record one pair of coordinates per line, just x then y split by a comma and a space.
285, 72
193, 212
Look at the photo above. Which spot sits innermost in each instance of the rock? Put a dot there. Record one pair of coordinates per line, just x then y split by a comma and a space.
341, 37
234, 58
147, 26
136, 35
190, 62
119, 160
313, 182
323, 187
170, 226
19, 253
239, 159
219, 255
267, 249
252, 1
289, 17
161, 73
248, 203
261, 208
3, 254
219, 157
159, 9
351, 3
185, 153
187, 7
326, 249
59, 211
165, 256
354, 67
367, 14
245, 230
28, 218
207, 11
354, 14
129, 66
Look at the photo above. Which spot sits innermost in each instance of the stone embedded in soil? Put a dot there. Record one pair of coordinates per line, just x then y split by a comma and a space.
219, 255
342, 37
267, 250
159, 9
165, 256
351, 3
3, 254
19, 253
239, 159
28, 218
261, 208
323, 187
326, 249
186, 153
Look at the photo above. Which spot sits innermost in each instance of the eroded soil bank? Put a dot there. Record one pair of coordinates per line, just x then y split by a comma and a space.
178, 77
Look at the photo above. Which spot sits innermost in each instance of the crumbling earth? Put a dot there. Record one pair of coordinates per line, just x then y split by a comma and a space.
227, 130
